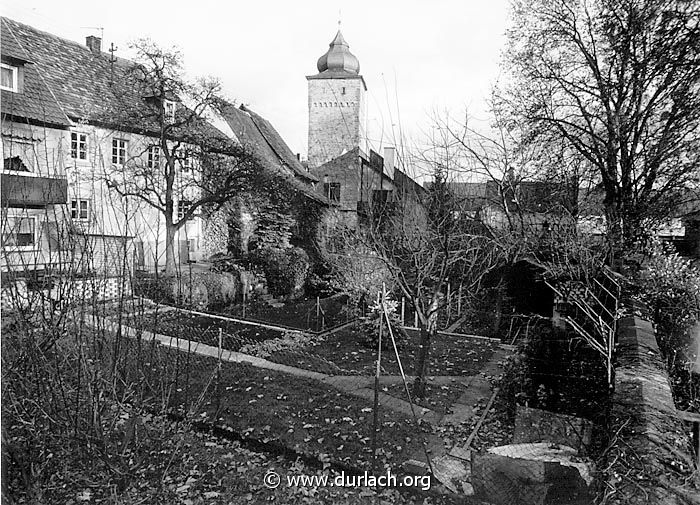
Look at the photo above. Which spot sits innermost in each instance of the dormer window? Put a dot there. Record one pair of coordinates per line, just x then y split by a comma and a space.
8, 77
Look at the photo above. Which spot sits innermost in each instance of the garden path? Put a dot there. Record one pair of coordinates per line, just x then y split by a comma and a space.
478, 387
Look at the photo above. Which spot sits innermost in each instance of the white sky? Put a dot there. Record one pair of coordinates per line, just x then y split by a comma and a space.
417, 57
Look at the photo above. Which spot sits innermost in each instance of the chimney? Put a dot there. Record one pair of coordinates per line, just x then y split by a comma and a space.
94, 44
389, 155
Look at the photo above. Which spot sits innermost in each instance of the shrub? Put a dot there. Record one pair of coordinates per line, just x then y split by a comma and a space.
285, 269
290, 340
154, 287
222, 287
369, 326
670, 287
189, 291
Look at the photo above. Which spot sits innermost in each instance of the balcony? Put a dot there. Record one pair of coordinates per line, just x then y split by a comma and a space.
27, 191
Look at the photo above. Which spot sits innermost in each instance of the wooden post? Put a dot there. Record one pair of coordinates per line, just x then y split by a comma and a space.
459, 300
449, 303
377, 372
403, 311
220, 344
415, 318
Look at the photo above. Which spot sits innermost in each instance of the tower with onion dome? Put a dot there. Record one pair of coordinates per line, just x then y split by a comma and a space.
336, 104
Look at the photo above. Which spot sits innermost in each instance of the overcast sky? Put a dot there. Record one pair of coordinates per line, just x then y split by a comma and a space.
416, 56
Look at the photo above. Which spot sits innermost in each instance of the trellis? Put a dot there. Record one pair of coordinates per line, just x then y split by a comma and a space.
592, 310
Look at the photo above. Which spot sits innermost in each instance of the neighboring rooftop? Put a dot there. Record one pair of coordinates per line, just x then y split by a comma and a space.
36, 103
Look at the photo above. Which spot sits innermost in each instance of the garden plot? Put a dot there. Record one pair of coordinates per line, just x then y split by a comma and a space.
349, 353
204, 329
297, 314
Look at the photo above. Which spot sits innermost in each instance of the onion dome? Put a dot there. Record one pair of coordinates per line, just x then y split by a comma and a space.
339, 58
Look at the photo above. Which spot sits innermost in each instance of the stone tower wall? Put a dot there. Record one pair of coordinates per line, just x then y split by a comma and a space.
336, 118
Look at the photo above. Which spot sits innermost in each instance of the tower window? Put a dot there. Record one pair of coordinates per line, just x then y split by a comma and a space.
343, 92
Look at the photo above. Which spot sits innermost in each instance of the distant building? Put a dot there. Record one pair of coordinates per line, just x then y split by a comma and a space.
532, 204
360, 180
64, 142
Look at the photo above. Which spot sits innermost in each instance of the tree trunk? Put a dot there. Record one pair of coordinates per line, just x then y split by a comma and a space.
170, 266
427, 332
614, 231
422, 361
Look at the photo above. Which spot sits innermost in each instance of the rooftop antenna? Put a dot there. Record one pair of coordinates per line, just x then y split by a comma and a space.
101, 28
112, 59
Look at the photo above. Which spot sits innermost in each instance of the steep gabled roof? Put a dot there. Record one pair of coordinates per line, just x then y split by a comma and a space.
245, 127
79, 79
87, 85
278, 145
36, 103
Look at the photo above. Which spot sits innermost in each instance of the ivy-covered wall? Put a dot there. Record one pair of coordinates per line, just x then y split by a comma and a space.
263, 222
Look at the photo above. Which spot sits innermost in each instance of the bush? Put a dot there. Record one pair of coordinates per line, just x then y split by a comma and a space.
188, 291
285, 269
369, 326
290, 340
670, 287
222, 287
153, 287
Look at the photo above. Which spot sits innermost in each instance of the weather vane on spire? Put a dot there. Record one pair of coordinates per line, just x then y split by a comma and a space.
340, 17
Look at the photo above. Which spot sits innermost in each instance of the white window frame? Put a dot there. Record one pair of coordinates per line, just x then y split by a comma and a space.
15, 78
35, 241
30, 146
181, 212
153, 155
168, 111
81, 146
76, 209
187, 160
120, 148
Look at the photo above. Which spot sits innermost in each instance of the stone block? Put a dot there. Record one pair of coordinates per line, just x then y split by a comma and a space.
415, 467
535, 425
531, 474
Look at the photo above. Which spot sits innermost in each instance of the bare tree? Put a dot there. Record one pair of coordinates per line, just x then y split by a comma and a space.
425, 240
618, 84
180, 156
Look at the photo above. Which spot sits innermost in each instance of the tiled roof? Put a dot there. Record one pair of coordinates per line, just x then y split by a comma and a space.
245, 128
36, 102
79, 79
101, 89
278, 145
86, 85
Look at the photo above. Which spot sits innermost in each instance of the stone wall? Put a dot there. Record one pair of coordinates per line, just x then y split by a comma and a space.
336, 116
649, 461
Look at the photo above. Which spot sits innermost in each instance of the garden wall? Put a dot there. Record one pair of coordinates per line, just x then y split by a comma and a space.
15, 294
649, 459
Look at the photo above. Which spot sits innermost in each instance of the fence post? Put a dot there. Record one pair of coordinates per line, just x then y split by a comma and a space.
459, 300
403, 311
449, 303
